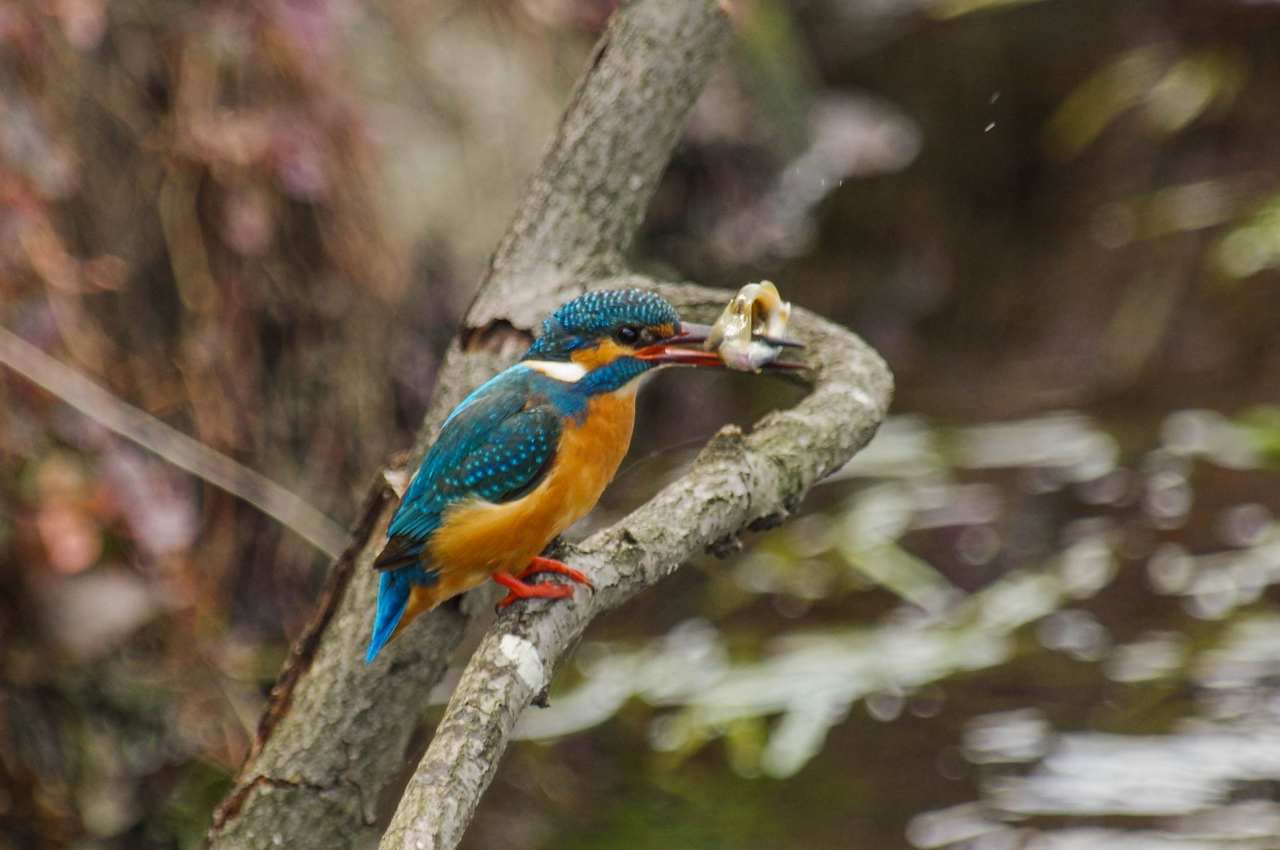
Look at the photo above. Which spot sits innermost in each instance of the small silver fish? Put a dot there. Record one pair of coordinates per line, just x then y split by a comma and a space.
750, 333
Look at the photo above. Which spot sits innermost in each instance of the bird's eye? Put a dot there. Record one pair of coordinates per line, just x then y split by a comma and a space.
627, 334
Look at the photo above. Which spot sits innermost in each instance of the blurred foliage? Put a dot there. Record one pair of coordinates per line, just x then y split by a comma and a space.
1170, 91
1253, 245
955, 8
1046, 582
1263, 425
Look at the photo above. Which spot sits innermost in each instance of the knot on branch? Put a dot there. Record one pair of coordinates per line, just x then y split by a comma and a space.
729, 443
397, 474
728, 545
771, 520
499, 336
625, 551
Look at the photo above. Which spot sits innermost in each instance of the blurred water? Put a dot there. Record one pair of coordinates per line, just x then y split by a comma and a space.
1156, 725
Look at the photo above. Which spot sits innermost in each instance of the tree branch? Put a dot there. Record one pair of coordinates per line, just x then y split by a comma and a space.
587, 201
334, 738
737, 481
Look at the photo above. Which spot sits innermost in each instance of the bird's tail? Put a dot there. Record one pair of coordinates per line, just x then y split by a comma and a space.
394, 595
393, 598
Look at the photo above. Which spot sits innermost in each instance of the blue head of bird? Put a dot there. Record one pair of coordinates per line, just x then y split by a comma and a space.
603, 340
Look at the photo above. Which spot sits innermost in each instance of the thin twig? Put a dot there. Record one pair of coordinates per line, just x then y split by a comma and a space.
177, 448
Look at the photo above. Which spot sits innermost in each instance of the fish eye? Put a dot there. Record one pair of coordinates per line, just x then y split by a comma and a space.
627, 334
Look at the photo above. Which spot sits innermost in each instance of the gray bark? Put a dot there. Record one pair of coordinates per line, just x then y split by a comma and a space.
586, 203
332, 744
336, 732
738, 481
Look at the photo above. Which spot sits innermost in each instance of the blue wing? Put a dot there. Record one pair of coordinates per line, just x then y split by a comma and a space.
497, 446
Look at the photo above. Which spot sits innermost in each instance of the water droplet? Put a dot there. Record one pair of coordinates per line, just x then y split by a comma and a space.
1087, 566
885, 705
1007, 736
1171, 569
1152, 656
1076, 633
1213, 595
1167, 499
958, 825
1244, 525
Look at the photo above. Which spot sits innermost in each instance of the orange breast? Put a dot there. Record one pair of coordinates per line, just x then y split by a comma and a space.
480, 538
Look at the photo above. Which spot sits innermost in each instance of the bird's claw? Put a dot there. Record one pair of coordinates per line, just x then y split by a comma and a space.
518, 589
543, 590
540, 564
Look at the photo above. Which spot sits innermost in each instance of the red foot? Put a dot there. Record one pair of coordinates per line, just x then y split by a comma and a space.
540, 564
543, 590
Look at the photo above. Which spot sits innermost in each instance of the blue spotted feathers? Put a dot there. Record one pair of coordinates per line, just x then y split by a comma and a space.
493, 447
580, 322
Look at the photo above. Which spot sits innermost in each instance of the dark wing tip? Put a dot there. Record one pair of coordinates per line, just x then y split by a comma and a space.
400, 551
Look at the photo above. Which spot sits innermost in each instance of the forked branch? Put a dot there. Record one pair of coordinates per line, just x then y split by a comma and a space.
737, 481
332, 746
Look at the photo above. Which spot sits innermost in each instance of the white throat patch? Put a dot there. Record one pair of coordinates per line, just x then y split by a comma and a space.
566, 372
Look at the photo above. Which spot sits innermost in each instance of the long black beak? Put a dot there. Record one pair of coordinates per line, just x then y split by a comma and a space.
691, 332
671, 350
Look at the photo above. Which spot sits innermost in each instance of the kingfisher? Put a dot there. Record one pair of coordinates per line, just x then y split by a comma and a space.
526, 455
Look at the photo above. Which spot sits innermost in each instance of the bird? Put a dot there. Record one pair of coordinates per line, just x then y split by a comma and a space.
527, 454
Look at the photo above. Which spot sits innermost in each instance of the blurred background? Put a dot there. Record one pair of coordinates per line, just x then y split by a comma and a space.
1037, 612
